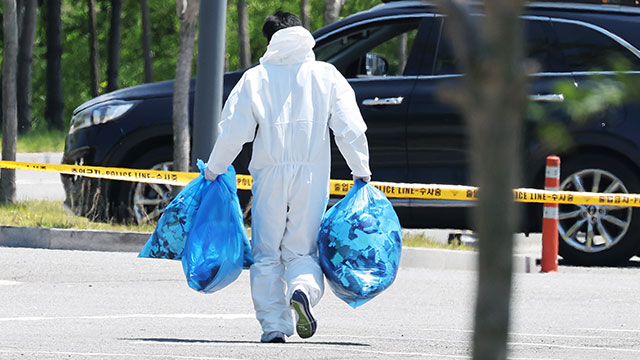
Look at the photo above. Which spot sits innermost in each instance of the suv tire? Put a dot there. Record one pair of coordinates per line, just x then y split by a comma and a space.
581, 226
140, 202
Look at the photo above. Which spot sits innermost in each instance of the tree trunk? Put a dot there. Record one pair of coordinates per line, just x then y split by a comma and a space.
25, 57
146, 42
9, 100
493, 100
55, 102
113, 61
304, 14
243, 34
188, 15
20, 5
332, 11
94, 62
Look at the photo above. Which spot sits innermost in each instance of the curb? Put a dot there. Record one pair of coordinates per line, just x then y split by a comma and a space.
72, 239
114, 241
457, 260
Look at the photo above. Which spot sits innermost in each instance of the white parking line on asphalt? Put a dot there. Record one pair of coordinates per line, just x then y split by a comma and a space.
579, 347
512, 343
611, 330
39, 182
130, 316
103, 355
8, 283
540, 334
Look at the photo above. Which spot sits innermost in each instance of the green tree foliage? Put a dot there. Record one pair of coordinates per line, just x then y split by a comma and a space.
164, 44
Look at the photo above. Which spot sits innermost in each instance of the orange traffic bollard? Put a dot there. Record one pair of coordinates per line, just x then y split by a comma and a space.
549, 261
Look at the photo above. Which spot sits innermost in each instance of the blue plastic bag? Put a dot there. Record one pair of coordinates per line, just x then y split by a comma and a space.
170, 235
216, 245
168, 238
359, 244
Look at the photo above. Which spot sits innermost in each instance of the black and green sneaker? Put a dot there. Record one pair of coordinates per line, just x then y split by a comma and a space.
273, 337
306, 325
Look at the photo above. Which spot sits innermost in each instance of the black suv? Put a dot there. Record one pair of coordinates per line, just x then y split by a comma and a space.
396, 58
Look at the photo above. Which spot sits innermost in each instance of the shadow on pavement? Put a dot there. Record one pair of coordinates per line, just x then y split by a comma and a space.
632, 263
203, 341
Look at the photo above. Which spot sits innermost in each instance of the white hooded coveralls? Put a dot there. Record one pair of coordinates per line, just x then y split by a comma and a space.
293, 101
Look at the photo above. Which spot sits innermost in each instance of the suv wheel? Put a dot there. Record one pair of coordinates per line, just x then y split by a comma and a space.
598, 234
144, 202
150, 200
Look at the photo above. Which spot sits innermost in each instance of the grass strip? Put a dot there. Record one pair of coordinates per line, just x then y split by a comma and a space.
413, 239
40, 141
51, 214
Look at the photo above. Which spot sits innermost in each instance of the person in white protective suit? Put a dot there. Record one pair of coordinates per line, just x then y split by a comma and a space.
293, 100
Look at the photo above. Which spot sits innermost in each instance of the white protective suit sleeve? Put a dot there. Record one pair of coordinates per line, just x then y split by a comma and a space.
349, 128
237, 127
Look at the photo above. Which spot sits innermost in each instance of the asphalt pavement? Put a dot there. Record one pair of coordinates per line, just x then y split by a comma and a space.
65, 304
39, 185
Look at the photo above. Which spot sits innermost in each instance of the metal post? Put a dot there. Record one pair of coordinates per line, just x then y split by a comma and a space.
209, 77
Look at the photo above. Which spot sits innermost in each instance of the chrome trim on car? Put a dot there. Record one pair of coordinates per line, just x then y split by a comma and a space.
384, 101
389, 78
545, 74
439, 76
578, 6
547, 97
605, 32
589, 73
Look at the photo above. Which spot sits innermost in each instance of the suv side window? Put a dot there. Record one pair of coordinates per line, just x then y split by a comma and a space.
391, 41
587, 49
538, 47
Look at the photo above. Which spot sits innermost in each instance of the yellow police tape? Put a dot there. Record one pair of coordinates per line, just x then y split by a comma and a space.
340, 187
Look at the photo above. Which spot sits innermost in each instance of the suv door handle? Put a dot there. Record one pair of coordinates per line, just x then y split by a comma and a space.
547, 97
384, 101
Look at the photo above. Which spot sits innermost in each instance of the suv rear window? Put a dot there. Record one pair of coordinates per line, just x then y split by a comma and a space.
575, 47
587, 49
539, 47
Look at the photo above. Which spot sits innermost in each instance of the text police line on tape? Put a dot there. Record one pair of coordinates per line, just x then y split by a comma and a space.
341, 187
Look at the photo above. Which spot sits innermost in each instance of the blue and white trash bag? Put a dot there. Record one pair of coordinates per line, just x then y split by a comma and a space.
188, 213
360, 243
168, 239
217, 243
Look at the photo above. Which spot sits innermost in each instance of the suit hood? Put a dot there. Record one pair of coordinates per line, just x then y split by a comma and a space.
292, 45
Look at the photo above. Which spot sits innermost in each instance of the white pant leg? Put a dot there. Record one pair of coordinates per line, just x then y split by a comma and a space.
307, 203
268, 219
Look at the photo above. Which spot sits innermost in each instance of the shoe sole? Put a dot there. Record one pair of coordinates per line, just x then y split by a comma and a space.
277, 340
306, 325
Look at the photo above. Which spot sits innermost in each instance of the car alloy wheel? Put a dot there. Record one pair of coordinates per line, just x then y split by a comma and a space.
593, 228
150, 200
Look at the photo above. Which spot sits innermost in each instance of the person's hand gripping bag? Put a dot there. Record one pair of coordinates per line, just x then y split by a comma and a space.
217, 244
168, 238
359, 245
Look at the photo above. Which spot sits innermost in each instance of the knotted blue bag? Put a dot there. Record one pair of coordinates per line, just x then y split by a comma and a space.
215, 249
170, 235
168, 239
359, 244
